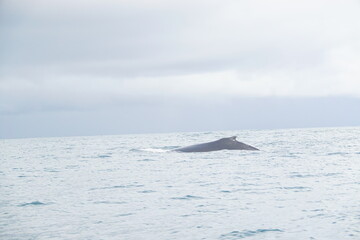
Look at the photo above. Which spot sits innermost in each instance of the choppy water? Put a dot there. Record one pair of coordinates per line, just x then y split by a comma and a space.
303, 184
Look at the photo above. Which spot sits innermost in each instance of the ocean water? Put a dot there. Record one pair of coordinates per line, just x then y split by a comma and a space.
303, 184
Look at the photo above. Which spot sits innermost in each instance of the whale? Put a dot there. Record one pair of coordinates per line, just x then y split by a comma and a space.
229, 143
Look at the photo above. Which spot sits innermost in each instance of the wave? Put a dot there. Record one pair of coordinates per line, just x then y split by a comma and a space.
35, 203
118, 186
153, 150
246, 233
187, 197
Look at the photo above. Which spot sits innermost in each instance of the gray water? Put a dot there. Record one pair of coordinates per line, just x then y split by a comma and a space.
303, 184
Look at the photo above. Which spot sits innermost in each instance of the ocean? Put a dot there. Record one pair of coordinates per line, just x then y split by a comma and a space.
302, 184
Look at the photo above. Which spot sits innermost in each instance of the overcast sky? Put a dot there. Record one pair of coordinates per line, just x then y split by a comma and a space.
72, 68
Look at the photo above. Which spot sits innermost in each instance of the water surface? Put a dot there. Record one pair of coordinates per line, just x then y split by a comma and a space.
303, 184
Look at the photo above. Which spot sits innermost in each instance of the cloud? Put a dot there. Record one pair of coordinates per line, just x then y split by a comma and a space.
90, 54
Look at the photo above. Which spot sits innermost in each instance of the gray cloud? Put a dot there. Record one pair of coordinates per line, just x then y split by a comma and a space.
247, 33
232, 114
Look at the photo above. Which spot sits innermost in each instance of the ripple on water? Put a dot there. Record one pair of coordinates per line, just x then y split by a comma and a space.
302, 176
109, 202
51, 170
118, 186
35, 203
225, 191
246, 233
124, 214
103, 156
297, 188
147, 191
187, 197
337, 153
146, 160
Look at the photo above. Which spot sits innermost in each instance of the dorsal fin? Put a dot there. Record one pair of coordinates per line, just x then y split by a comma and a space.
233, 138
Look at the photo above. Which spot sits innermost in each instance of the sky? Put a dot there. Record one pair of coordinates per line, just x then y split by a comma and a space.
70, 68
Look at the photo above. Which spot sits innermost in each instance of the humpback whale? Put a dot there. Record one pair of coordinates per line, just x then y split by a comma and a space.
224, 143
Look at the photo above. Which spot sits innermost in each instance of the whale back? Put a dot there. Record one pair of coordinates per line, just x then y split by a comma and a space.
229, 143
